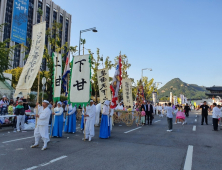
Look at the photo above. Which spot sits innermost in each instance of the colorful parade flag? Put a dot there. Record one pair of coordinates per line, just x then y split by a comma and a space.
115, 85
80, 85
57, 76
127, 92
103, 82
65, 74
33, 63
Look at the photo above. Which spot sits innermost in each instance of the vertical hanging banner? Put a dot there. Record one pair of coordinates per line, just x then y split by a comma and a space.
171, 97
80, 85
57, 76
33, 62
19, 21
103, 82
154, 96
127, 92
115, 85
175, 100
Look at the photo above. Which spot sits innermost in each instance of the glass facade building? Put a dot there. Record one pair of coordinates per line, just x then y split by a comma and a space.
51, 13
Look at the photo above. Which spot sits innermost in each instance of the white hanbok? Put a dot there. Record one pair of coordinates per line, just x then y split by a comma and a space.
119, 108
41, 129
90, 121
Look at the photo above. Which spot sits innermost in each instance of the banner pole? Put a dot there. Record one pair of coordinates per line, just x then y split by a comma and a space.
67, 115
37, 109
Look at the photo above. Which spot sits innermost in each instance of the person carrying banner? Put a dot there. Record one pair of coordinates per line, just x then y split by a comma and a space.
98, 109
105, 122
41, 130
90, 119
70, 124
58, 121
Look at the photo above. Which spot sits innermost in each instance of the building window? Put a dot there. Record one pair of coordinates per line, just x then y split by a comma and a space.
17, 56
66, 30
60, 31
38, 16
8, 20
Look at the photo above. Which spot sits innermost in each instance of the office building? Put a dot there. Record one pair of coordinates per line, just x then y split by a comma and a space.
51, 13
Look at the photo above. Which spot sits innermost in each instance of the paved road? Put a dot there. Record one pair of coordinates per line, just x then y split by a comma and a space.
148, 147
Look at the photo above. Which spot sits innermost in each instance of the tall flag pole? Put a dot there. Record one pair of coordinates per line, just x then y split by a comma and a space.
115, 85
65, 74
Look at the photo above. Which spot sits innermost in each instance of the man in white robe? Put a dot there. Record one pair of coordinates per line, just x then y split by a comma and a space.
41, 129
90, 121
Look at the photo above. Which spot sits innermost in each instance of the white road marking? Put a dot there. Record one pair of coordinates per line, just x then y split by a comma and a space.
17, 139
188, 161
47, 163
194, 128
132, 130
195, 120
157, 121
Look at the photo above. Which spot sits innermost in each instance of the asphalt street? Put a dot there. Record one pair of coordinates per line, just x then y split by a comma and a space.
129, 148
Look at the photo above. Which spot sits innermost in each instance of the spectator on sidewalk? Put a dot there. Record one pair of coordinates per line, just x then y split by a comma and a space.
20, 112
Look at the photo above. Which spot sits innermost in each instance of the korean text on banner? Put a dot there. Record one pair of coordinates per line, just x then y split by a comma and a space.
19, 21
104, 87
80, 86
127, 92
33, 62
57, 76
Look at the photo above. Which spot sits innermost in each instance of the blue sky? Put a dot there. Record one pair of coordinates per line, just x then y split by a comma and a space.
176, 38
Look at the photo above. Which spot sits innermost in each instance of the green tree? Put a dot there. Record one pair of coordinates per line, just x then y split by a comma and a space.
108, 63
5, 52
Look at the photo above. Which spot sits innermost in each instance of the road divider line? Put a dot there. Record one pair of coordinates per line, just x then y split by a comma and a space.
194, 128
157, 121
47, 163
189, 157
195, 120
132, 130
17, 139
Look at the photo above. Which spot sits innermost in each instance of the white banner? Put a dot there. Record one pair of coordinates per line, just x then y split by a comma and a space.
33, 63
154, 96
79, 90
127, 92
57, 60
171, 97
104, 86
175, 100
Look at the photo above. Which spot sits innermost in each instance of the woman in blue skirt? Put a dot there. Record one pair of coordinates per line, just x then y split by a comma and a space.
105, 122
58, 120
70, 125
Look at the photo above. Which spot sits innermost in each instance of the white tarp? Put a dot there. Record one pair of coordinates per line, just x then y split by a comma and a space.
104, 86
127, 92
33, 63
57, 59
79, 91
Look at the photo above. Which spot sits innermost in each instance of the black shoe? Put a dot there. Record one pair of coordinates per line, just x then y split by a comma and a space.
201, 123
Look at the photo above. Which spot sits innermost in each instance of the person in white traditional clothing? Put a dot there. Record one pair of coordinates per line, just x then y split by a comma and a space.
90, 121
41, 129
119, 107
105, 122
160, 108
98, 109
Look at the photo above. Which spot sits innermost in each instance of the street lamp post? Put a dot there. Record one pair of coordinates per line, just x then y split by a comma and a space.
145, 69
81, 31
43, 87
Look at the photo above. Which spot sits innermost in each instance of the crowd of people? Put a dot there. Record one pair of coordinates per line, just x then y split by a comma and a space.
60, 112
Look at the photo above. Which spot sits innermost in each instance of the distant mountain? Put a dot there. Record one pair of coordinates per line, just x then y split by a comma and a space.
191, 91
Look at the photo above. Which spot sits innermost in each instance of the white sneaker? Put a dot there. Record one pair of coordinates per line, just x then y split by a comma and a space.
34, 146
90, 139
170, 130
43, 148
183, 123
18, 130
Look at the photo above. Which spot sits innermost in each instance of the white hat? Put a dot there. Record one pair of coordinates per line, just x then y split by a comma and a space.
46, 101
91, 101
107, 102
59, 103
4, 96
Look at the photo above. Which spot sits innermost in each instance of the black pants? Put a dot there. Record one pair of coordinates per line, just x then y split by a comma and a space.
187, 113
215, 123
204, 116
170, 123
149, 117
